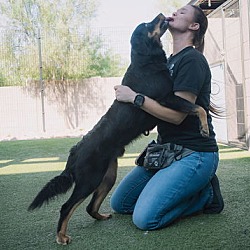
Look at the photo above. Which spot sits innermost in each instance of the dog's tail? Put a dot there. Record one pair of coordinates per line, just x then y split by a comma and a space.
58, 185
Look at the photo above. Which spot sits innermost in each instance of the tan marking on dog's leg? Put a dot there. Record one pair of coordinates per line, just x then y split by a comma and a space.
102, 191
202, 114
62, 238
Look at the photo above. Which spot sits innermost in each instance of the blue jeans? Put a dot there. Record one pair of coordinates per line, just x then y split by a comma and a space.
157, 198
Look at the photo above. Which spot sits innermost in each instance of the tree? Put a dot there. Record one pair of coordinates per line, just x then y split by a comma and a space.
61, 15
69, 48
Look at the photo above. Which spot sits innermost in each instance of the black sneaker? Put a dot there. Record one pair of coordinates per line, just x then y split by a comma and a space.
217, 204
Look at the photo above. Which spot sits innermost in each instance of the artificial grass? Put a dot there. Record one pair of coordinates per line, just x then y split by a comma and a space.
25, 166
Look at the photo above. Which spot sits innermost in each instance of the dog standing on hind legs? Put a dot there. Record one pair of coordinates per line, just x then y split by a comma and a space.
92, 162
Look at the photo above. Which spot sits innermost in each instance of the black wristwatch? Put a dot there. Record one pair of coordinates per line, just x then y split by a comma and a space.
139, 100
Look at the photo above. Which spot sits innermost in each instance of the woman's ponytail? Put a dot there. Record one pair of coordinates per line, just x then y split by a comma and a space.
199, 36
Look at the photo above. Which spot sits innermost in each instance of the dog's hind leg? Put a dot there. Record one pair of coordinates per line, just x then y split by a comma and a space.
102, 191
66, 212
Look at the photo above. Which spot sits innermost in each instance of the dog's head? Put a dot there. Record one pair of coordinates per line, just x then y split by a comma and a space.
146, 38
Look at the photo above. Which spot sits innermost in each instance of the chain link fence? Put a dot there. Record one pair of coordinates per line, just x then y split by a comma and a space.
99, 51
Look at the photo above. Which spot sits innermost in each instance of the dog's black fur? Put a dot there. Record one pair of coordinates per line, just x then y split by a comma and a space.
92, 163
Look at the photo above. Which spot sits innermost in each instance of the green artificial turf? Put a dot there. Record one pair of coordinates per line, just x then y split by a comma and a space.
25, 166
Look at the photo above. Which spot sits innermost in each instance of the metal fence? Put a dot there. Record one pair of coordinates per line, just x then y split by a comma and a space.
46, 73
61, 58
225, 53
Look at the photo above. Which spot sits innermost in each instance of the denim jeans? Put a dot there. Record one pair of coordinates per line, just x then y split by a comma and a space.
157, 198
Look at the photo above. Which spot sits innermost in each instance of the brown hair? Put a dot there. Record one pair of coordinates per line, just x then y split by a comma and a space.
199, 17
198, 42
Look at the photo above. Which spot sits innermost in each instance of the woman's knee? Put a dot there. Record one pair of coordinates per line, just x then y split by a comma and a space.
115, 205
144, 221
119, 206
140, 222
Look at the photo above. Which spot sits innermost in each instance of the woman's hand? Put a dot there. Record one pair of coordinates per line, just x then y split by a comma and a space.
124, 94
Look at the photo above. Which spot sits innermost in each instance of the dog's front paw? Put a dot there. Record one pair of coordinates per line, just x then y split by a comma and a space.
63, 239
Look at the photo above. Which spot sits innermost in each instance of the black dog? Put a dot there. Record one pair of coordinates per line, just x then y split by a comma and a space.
92, 163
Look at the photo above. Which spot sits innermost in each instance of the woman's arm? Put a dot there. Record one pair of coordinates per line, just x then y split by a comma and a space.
125, 94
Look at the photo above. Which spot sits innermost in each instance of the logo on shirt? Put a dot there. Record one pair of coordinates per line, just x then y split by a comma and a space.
171, 69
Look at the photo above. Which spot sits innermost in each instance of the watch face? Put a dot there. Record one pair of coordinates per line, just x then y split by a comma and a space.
139, 100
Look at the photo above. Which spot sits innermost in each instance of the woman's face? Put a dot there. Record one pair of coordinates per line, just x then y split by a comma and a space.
182, 19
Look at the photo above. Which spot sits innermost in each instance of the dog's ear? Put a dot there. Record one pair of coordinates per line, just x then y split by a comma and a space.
137, 41
144, 42
139, 45
140, 41
146, 46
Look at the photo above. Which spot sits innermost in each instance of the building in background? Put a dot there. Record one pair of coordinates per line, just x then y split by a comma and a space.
227, 50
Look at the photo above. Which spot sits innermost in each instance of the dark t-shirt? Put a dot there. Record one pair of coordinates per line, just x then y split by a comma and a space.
190, 72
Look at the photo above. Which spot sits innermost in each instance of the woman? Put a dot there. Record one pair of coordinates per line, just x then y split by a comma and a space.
187, 186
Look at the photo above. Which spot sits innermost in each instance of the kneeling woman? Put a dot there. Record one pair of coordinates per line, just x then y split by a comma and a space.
157, 198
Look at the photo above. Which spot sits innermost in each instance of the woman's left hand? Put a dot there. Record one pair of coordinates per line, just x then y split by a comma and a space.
124, 93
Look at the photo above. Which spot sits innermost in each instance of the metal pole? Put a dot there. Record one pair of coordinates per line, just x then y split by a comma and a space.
248, 109
41, 79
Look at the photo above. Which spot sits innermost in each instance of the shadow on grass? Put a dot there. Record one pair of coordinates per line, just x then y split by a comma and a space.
50, 150
18, 152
